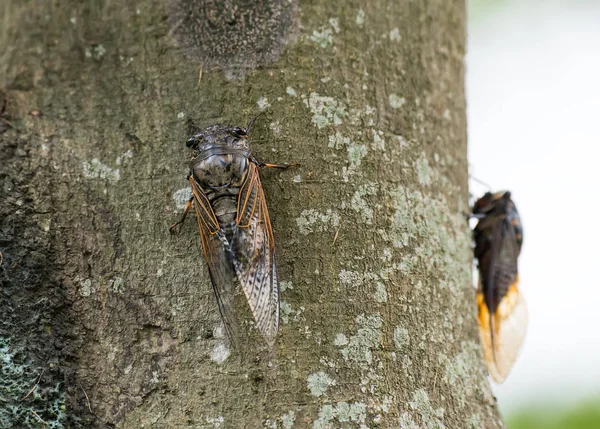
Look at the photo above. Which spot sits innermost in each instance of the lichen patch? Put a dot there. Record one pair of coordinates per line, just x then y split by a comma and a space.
367, 338
310, 220
181, 197
318, 383
326, 111
396, 101
359, 203
343, 412
401, 337
95, 169
220, 353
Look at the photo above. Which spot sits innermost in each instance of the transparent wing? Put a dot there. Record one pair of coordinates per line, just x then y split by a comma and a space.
253, 247
219, 260
502, 309
509, 325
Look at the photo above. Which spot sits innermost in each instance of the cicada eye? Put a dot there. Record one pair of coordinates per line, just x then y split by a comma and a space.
191, 142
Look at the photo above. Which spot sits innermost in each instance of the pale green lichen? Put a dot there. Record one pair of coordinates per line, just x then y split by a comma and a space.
124, 158
275, 126
340, 340
216, 422
95, 51
429, 417
463, 364
395, 35
288, 419
24, 400
380, 293
378, 143
423, 171
220, 353
396, 101
360, 205
285, 285
181, 197
474, 422
326, 110
86, 288
356, 279
97, 170
116, 285
360, 17
343, 412
406, 422
443, 236
290, 91
45, 224
286, 311
356, 152
367, 338
318, 383
401, 337
335, 24
263, 103
461, 370
323, 37
311, 220
386, 404
404, 227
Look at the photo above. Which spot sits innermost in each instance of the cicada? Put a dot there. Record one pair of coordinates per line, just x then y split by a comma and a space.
235, 228
502, 311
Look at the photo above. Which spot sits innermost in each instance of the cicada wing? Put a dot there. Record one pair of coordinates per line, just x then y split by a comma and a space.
219, 260
509, 324
254, 256
502, 310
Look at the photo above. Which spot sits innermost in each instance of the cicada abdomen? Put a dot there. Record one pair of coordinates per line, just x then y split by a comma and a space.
235, 228
502, 312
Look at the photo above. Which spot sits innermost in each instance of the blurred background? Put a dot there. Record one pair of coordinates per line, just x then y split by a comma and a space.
533, 94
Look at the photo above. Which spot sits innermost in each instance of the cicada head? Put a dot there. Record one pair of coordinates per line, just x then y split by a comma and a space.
498, 203
219, 135
494, 206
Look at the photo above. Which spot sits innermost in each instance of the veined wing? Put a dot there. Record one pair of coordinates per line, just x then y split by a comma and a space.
502, 309
253, 248
219, 260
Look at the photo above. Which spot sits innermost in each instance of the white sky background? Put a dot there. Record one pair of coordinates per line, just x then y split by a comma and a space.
533, 91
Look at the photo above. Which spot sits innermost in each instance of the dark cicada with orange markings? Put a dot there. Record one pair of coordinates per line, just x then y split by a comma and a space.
234, 225
502, 311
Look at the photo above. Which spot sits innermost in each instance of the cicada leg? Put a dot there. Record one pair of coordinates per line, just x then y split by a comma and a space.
269, 165
186, 211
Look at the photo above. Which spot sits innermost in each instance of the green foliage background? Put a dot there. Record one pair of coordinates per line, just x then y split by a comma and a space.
585, 415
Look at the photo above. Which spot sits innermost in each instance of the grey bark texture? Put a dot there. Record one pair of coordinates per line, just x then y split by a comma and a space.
107, 320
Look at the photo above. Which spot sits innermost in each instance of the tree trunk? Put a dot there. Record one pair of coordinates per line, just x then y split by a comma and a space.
112, 321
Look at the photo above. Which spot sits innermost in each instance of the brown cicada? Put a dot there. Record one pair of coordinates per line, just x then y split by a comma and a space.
234, 225
502, 311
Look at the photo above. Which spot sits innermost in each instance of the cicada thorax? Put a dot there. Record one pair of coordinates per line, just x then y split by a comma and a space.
221, 172
502, 312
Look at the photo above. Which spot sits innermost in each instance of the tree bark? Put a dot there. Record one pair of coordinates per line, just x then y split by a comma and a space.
112, 321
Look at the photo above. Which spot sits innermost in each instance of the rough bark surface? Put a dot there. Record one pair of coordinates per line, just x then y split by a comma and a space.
115, 319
